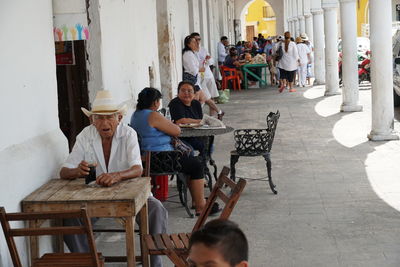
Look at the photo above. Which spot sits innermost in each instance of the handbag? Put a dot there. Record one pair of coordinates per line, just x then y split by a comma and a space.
279, 53
181, 146
187, 77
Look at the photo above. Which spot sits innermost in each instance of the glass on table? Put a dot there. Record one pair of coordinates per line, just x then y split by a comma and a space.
90, 158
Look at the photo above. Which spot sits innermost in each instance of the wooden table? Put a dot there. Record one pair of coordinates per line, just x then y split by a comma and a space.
246, 70
123, 200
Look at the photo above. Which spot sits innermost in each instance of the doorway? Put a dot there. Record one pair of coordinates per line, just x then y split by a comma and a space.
250, 33
72, 88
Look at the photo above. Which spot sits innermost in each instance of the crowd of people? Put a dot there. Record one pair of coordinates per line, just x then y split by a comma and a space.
288, 59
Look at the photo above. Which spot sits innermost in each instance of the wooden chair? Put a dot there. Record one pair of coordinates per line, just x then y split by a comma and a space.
175, 246
91, 259
256, 142
230, 74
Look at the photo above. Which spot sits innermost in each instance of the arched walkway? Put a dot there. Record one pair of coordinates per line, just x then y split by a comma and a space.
277, 5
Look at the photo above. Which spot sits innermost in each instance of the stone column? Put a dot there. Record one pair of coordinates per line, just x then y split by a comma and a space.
296, 27
348, 23
309, 27
302, 25
331, 52
289, 28
380, 20
319, 53
292, 26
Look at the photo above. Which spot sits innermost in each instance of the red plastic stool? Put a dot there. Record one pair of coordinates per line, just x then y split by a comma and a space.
160, 187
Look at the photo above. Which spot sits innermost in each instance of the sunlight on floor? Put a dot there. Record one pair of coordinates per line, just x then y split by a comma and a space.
351, 130
382, 163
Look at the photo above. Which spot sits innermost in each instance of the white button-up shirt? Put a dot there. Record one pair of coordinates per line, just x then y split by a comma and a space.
221, 52
125, 151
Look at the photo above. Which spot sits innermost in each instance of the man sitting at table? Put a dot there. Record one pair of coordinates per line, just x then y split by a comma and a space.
114, 147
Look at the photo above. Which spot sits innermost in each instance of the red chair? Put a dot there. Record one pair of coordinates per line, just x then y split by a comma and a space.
230, 74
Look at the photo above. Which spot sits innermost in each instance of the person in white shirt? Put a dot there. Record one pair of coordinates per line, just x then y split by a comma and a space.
208, 81
194, 71
222, 53
310, 66
288, 63
275, 47
114, 148
304, 59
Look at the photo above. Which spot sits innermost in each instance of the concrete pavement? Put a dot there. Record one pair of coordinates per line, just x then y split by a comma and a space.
338, 196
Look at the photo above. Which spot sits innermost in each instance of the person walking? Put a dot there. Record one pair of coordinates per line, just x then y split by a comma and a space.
310, 66
288, 63
304, 60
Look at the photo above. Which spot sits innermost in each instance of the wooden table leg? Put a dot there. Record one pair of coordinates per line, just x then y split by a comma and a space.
130, 241
34, 241
59, 238
144, 230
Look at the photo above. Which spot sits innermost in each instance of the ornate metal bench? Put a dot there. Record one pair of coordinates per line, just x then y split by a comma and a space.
255, 142
168, 163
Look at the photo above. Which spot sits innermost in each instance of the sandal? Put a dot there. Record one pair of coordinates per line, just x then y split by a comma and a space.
214, 209
221, 115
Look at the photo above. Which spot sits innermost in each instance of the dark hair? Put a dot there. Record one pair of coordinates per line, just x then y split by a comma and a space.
195, 34
287, 40
223, 38
147, 97
226, 237
187, 82
186, 42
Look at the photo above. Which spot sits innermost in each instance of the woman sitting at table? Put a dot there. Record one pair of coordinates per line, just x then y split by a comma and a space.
155, 132
186, 109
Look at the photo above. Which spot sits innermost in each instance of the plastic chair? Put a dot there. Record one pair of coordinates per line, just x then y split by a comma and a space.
230, 74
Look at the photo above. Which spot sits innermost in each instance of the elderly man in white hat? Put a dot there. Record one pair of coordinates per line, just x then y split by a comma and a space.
114, 147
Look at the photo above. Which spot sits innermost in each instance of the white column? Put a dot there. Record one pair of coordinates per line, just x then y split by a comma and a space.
380, 20
302, 25
348, 23
309, 27
296, 27
292, 26
319, 53
331, 52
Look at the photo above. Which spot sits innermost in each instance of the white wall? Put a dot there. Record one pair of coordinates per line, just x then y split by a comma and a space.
32, 147
179, 17
128, 47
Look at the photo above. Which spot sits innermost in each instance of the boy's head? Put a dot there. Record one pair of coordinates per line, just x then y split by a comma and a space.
219, 243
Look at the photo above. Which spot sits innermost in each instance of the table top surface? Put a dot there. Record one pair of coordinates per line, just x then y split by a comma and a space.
193, 132
67, 191
255, 65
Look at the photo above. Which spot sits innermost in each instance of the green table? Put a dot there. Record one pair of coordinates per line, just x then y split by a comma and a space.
246, 70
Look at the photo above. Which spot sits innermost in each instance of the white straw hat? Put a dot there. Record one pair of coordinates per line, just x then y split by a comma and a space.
304, 36
104, 104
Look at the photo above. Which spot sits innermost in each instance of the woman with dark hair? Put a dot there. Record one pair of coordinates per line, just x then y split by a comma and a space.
155, 132
288, 63
194, 71
191, 64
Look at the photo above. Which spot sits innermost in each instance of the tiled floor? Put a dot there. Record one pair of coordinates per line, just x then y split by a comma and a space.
339, 194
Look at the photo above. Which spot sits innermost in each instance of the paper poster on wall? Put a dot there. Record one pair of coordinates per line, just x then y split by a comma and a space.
70, 27
65, 53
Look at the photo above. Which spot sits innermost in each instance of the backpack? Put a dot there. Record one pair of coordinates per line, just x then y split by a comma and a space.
279, 53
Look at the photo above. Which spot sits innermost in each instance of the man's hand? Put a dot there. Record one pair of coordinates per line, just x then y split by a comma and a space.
108, 179
83, 169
